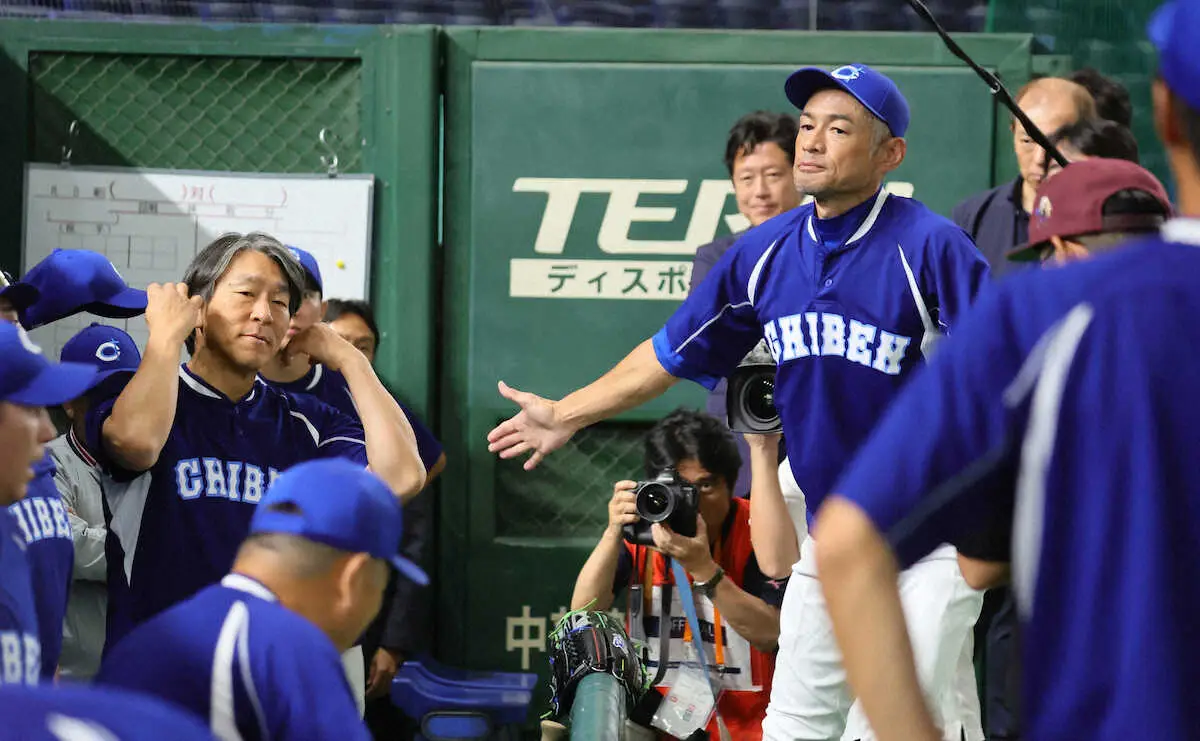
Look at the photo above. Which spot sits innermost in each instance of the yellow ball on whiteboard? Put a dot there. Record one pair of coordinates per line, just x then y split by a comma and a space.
341, 264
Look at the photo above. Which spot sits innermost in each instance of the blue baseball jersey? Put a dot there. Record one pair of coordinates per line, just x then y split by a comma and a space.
176, 528
1064, 410
41, 519
234, 655
836, 303
330, 387
20, 649
82, 713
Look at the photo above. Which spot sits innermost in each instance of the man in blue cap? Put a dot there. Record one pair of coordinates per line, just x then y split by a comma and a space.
1062, 419
40, 515
78, 478
850, 293
258, 654
28, 383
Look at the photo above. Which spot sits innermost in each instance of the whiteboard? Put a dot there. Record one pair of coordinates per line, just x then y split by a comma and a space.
151, 223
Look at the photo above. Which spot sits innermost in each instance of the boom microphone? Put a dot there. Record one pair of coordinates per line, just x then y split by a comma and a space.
993, 83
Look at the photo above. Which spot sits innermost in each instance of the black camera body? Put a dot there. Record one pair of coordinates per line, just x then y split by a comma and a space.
750, 398
667, 499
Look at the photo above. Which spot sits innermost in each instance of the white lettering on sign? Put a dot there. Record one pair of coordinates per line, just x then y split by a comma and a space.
525, 633
662, 280
623, 211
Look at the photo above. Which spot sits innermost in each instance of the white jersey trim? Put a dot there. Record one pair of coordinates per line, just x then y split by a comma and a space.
752, 284
340, 438
1046, 406
195, 385
312, 430
243, 583
706, 325
222, 717
932, 333
1182, 231
318, 371
863, 228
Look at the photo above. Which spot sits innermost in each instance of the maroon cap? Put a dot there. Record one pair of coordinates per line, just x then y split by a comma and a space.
1071, 203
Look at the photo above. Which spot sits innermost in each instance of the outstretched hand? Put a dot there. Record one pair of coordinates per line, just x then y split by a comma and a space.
536, 428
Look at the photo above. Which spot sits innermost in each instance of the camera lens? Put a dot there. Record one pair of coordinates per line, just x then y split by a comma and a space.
654, 503
760, 398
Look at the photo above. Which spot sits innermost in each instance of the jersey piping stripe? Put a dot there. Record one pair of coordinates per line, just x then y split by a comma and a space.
195, 385
707, 324
1030, 509
863, 228
318, 371
752, 284
221, 716
323, 443
1183, 231
312, 430
243, 647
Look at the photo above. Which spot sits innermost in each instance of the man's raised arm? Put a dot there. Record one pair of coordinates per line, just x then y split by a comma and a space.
543, 426
137, 429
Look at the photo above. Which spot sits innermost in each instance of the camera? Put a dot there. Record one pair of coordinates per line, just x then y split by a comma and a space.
750, 398
667, 499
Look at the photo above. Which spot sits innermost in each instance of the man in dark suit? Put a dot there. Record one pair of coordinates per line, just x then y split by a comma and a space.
759, 155
998, 219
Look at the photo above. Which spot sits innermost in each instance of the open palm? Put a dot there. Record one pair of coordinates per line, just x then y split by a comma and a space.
535, 428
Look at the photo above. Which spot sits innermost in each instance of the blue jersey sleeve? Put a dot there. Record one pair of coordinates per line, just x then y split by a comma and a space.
102, 400
335, 434
714, 328
959, 273
933, 470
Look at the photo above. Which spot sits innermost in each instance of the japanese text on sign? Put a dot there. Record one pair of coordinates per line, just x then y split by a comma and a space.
663, 280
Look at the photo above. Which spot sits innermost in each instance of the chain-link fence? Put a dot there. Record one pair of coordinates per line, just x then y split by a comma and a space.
210, 113
567, 494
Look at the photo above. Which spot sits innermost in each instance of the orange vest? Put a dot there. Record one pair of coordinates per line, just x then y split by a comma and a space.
742, 711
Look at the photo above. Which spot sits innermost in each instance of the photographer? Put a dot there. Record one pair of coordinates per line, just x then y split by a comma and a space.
734, 597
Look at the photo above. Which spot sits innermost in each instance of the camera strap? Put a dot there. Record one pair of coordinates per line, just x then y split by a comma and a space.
689, 610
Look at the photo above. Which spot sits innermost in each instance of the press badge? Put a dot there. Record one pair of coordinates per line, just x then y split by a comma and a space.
688, 706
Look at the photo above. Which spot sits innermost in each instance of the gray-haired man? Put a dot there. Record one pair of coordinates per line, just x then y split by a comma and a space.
192, 449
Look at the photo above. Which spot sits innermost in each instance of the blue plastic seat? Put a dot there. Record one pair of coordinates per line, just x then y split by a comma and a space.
418, 695
428, 666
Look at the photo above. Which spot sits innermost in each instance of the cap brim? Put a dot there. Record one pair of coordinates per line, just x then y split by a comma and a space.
410, 569
803, 83
56, 384
21, 295
103, 376
129, 302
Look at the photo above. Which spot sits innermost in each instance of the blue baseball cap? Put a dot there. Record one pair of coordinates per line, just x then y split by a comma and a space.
1173, 29
111, 350
310, 265
340, 504
27, 378
71, 281
874, 90
20, 295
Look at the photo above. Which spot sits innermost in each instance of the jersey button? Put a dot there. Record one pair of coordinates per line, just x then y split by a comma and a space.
828, 282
